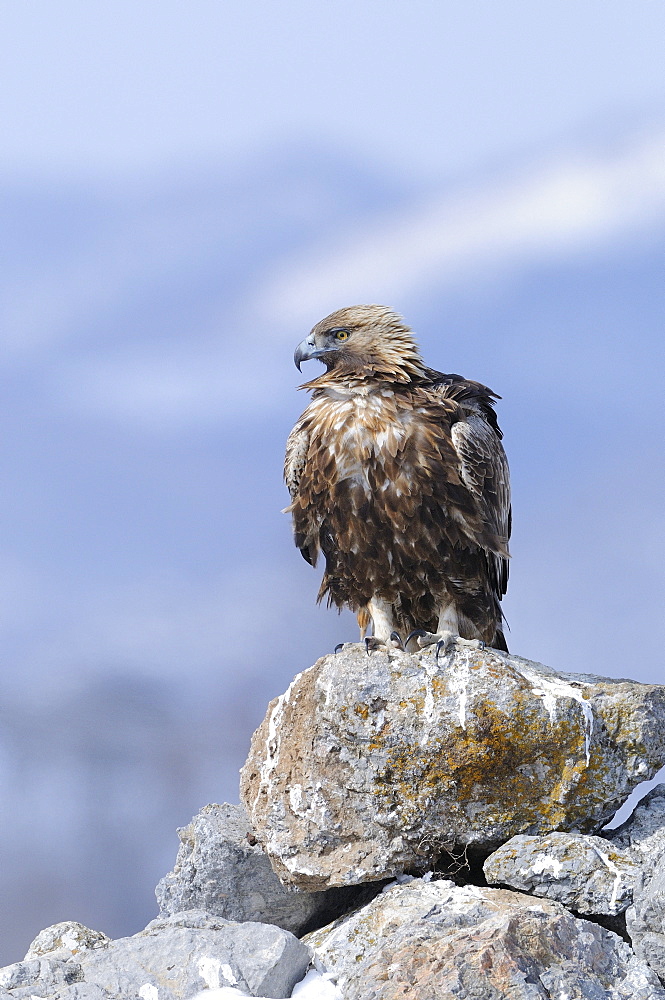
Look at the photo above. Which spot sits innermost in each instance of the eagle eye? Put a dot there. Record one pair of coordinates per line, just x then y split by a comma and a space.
341, 334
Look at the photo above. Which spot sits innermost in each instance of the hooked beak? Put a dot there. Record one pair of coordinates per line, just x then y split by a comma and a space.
306, 351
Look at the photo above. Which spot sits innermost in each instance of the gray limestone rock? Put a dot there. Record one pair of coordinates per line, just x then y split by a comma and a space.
371, 765
643, 834
587, 874
39, 973
645, 923
433, 939
222, 869
81, 991
69, 936
78, 991
172, 959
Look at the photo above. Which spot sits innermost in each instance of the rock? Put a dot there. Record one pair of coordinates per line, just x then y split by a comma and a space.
68, 936
372, 765
643, 834
645, 923
587, 874
433, 939
79, 991
172, 959
222, 869
50, 973
315, 986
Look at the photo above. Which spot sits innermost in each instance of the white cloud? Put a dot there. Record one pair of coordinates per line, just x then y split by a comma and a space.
570, 203
574, 201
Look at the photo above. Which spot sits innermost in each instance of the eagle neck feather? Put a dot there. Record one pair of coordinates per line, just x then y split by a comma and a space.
363, 379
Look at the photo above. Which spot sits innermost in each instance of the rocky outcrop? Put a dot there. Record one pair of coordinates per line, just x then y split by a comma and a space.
369, 766
587, 874
435, 939
172, 959
220, 868
372, 765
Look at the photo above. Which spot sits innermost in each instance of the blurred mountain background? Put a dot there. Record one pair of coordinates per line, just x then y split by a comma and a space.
184, 194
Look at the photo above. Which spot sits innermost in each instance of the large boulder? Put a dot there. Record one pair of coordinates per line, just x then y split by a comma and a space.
220, 868
372, 765
587, 874
172, 959
433, 939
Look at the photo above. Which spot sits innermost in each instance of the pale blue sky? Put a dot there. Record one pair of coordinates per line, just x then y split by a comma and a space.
427, 87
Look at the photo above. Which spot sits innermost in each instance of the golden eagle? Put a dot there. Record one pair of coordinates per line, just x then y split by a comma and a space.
398, 475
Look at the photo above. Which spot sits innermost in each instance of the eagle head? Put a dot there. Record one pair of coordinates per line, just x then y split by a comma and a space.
363, 341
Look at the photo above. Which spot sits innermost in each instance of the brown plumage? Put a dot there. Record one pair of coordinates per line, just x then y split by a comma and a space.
398, 475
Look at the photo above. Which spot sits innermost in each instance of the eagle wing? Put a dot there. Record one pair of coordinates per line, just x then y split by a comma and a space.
297, 445
305, 521
484, 471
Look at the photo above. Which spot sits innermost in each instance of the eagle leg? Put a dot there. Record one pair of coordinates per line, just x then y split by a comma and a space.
446, 634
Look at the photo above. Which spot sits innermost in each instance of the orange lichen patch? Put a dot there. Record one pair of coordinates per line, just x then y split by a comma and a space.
362, 711
440, 685
520, 763
497, 670
380, 740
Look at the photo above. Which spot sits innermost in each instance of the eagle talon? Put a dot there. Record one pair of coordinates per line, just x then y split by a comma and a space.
340, 645
417, 633
373, 642
396, 641
444, 642
424, 638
